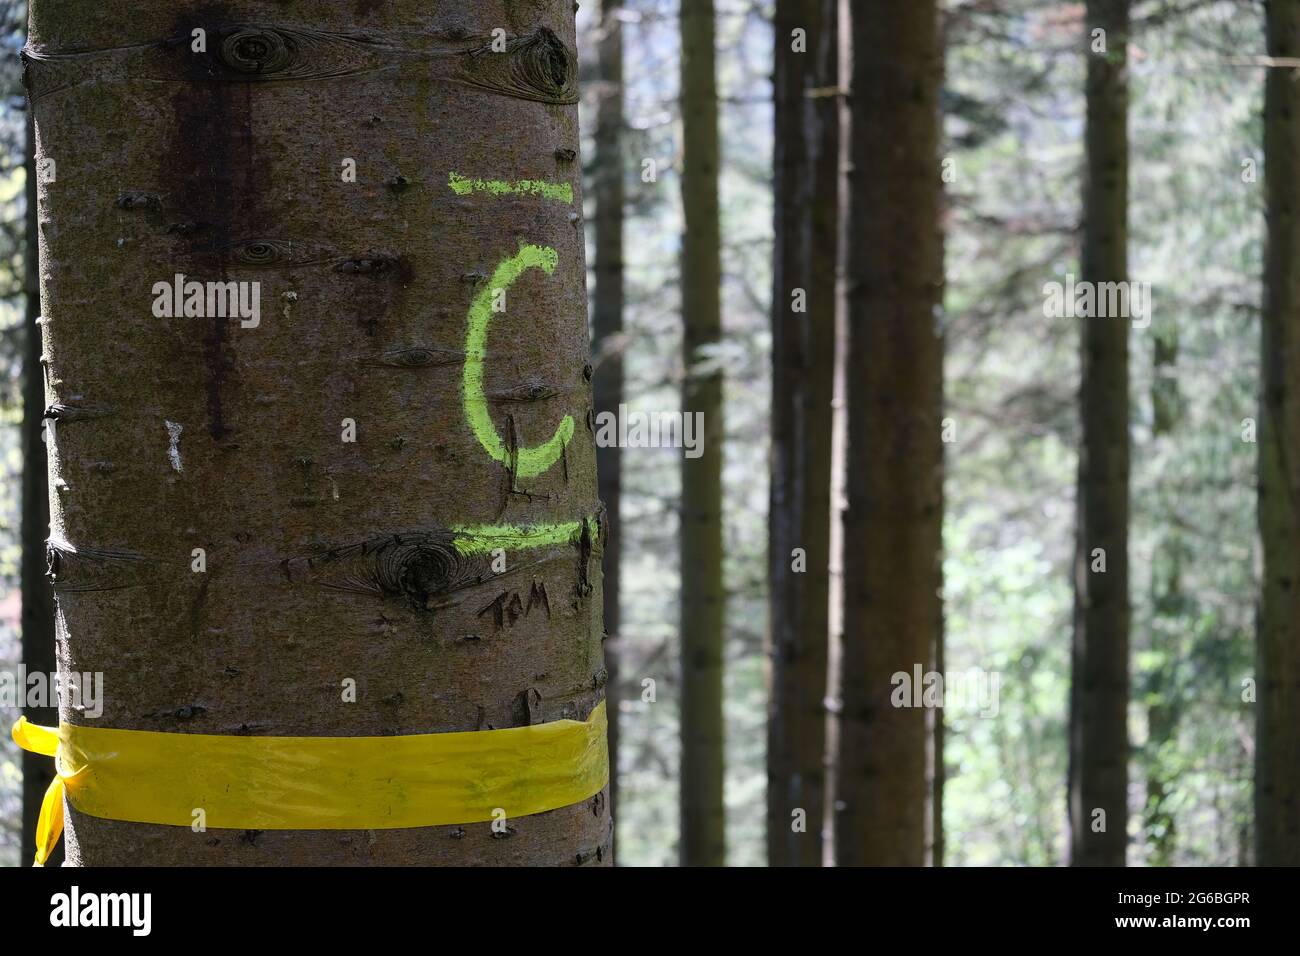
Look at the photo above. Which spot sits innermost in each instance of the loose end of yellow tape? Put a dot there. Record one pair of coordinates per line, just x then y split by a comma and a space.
34, 738
49, 825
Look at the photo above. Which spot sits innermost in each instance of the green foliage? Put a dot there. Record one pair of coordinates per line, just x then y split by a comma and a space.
1196, 231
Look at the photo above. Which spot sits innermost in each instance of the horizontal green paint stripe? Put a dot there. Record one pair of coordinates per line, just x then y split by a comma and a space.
484, 539
464, 186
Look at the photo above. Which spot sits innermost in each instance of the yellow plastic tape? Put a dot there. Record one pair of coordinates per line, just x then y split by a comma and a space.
49, 825
316, 783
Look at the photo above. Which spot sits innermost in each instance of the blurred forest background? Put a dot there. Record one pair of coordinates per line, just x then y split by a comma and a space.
1014, 108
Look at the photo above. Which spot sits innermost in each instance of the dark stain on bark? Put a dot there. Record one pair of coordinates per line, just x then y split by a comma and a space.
197, 609
209, 167
392, 274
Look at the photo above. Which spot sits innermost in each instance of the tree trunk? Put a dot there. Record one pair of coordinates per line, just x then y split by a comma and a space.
937, 769
806, 167
1098, 781
38, 600
1169, 614
703, 600
1277, 750
607, 325
221, 550
893, 526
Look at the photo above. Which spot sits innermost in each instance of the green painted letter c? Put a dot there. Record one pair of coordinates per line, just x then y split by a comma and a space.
526, 462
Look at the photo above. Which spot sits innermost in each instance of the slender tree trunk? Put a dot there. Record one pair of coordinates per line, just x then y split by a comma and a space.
1277, 749
839, 443
607, 323
222, 550
806, 163
38, 599
937, 770
938, 731
1169, 609
1098, 784
893, 527
703, 599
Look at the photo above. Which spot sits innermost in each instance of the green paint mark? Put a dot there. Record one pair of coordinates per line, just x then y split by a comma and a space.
464, 186
525, 462
484, 539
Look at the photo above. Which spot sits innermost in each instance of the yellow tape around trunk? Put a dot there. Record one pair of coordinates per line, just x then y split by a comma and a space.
316, 783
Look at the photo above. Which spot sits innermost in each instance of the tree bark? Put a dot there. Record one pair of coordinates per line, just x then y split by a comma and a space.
1098, 774
607, 327
806, 167
1169, 612
893, 526
1277, 749
326, 560
938, 775
38, 600
703, 600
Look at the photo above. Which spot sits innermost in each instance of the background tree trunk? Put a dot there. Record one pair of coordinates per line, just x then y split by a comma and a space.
38, 599
806, 165
703, 598
938, 776
893, 527
1277, 750
326, 560
607, 325
1169, 611
1099, 681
